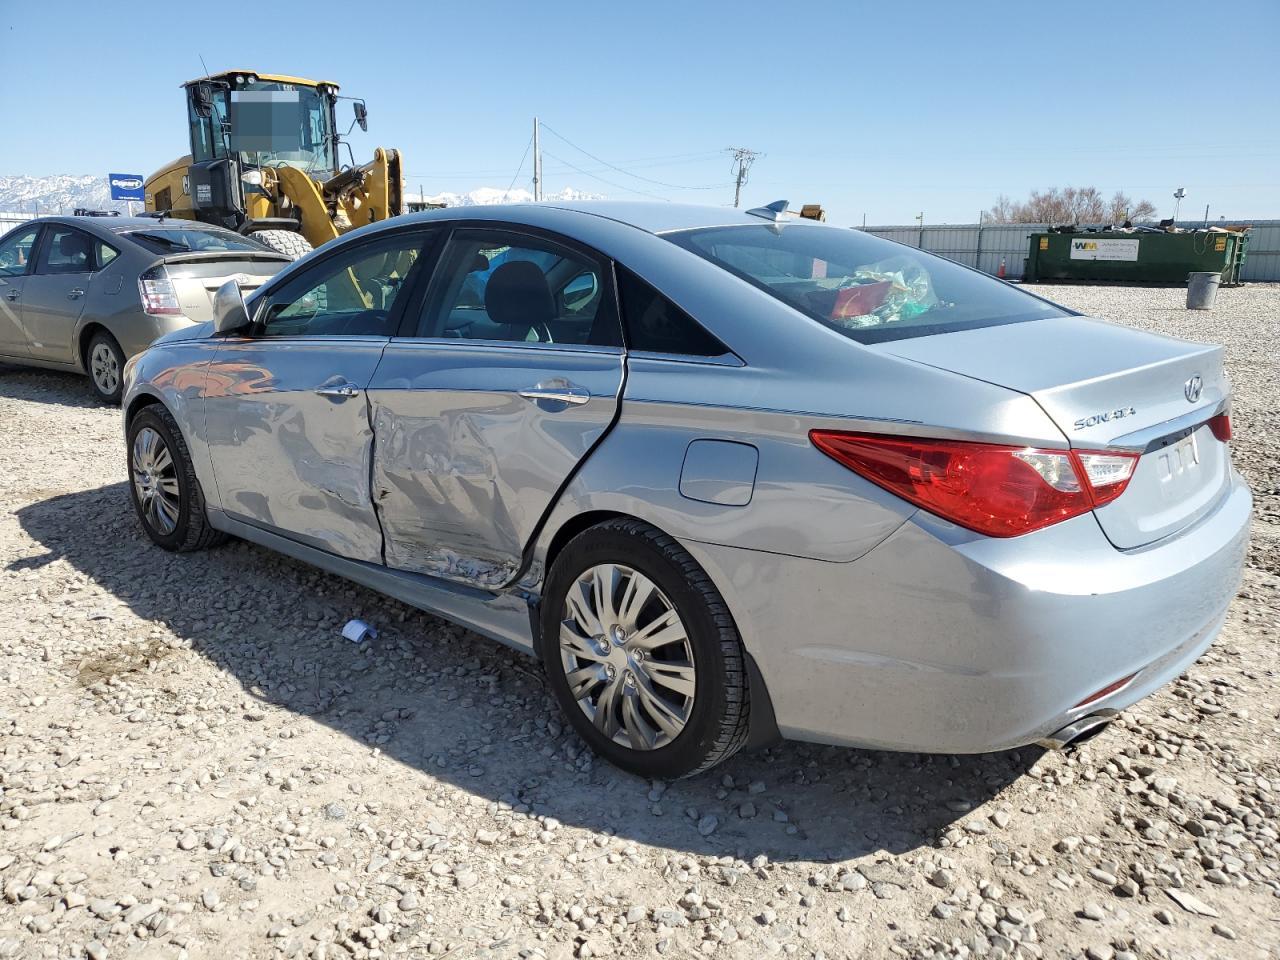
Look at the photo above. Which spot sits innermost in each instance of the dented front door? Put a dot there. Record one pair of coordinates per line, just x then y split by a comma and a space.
473, 443
289, 435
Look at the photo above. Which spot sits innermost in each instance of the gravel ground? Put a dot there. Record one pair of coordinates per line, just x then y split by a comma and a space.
195, 763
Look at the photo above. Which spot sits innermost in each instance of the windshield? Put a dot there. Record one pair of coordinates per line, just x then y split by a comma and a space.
195, 240
282, 124
867, 288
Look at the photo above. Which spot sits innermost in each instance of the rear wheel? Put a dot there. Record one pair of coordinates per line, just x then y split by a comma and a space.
642, 654
105, 363
286, 241
163, 484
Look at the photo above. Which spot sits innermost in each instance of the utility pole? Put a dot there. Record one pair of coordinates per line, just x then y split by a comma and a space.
742, 159
537, 163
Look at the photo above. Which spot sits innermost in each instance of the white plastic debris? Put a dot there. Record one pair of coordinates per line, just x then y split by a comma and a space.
357, 631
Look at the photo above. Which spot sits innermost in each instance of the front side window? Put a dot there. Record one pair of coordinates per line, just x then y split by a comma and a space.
517, 288
67, 251
867, 288
351, 294
16, 252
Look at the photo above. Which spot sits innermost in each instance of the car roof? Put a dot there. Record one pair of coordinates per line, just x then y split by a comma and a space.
647, 215
125, 224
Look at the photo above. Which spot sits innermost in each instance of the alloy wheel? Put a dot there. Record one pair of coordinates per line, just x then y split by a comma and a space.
104, 368
155, 481
627, 657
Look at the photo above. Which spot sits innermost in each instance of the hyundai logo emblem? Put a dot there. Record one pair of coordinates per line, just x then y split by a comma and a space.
1192, 388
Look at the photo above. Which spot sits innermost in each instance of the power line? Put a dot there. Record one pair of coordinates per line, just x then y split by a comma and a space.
595, 176
524, 156
628, 173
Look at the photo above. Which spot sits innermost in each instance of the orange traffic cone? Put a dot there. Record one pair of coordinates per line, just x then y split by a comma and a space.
1000, 272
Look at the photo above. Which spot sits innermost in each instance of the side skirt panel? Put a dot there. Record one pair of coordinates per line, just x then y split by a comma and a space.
498, 616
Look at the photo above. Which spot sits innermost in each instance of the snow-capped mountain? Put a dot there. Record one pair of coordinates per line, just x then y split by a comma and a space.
64, 193
488, 195
59, 193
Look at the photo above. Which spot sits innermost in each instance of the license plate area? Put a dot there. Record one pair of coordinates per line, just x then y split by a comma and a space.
1178, 466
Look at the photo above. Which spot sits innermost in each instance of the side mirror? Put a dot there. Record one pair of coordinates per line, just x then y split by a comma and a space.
362, 114
580, 291
202, 100
229, 313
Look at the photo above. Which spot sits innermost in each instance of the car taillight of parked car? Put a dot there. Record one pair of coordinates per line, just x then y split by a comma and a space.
159, 298
994, 489
1221, 426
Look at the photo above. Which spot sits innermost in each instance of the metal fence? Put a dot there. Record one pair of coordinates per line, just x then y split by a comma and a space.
11, 218
986, 246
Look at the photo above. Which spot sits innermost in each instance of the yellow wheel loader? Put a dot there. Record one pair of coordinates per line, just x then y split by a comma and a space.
265, 161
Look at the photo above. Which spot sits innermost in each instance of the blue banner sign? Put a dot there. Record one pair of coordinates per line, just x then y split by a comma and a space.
125, 186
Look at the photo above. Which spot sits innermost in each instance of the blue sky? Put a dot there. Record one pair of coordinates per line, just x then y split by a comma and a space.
882, 109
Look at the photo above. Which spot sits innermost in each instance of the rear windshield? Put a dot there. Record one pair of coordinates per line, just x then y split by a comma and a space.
867, 288
193, 240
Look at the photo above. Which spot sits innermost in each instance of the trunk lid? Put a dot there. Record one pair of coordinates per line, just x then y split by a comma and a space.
196, 277
1106, 386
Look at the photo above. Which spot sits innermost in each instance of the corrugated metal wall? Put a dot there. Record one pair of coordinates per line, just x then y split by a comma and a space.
10, 219
986, 247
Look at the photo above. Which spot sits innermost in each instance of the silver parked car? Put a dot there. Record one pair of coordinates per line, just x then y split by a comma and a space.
87, 293
728, 474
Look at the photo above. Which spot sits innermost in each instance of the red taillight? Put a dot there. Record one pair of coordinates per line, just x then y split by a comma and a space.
159, 298
998, 490
1221, 426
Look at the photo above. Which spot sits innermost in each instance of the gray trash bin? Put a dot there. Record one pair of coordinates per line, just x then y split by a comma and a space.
1202, 290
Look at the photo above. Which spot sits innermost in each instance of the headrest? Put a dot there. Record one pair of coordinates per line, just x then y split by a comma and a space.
73, 245
480, 264
517, 295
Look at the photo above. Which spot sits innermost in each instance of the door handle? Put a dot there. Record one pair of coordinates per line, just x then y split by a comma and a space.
338, 390
12, 295
561, 391
75, 293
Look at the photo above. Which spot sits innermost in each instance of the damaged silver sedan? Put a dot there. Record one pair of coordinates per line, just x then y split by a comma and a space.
729, 475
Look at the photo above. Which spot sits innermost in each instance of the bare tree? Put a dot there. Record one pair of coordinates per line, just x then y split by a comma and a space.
1069, 205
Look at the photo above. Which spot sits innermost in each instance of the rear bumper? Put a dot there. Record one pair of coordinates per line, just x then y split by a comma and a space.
938, 640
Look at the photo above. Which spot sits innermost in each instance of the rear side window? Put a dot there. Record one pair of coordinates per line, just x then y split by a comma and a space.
864, 287
656, 325
70, 251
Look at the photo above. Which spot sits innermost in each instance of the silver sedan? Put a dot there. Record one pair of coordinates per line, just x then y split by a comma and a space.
85, 293
729, 475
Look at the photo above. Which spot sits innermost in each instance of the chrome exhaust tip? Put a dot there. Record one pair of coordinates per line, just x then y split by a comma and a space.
1077, 731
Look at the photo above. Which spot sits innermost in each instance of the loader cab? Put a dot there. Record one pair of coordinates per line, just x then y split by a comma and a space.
243, 124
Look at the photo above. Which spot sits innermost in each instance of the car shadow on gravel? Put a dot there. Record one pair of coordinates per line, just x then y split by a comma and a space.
455, 707
65, 389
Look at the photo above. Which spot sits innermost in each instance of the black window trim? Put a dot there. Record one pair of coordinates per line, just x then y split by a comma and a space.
428, 281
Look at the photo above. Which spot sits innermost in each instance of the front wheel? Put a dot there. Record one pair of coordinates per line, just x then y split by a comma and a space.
163, 484
642, 653
286, 241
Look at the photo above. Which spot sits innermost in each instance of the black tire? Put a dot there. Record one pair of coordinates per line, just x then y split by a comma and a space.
718, 720
286, 241
191, 529
104, 362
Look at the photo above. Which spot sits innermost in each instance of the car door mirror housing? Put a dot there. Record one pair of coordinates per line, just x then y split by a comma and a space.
229, 311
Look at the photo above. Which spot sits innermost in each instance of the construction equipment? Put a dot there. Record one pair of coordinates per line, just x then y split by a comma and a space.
265, 161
